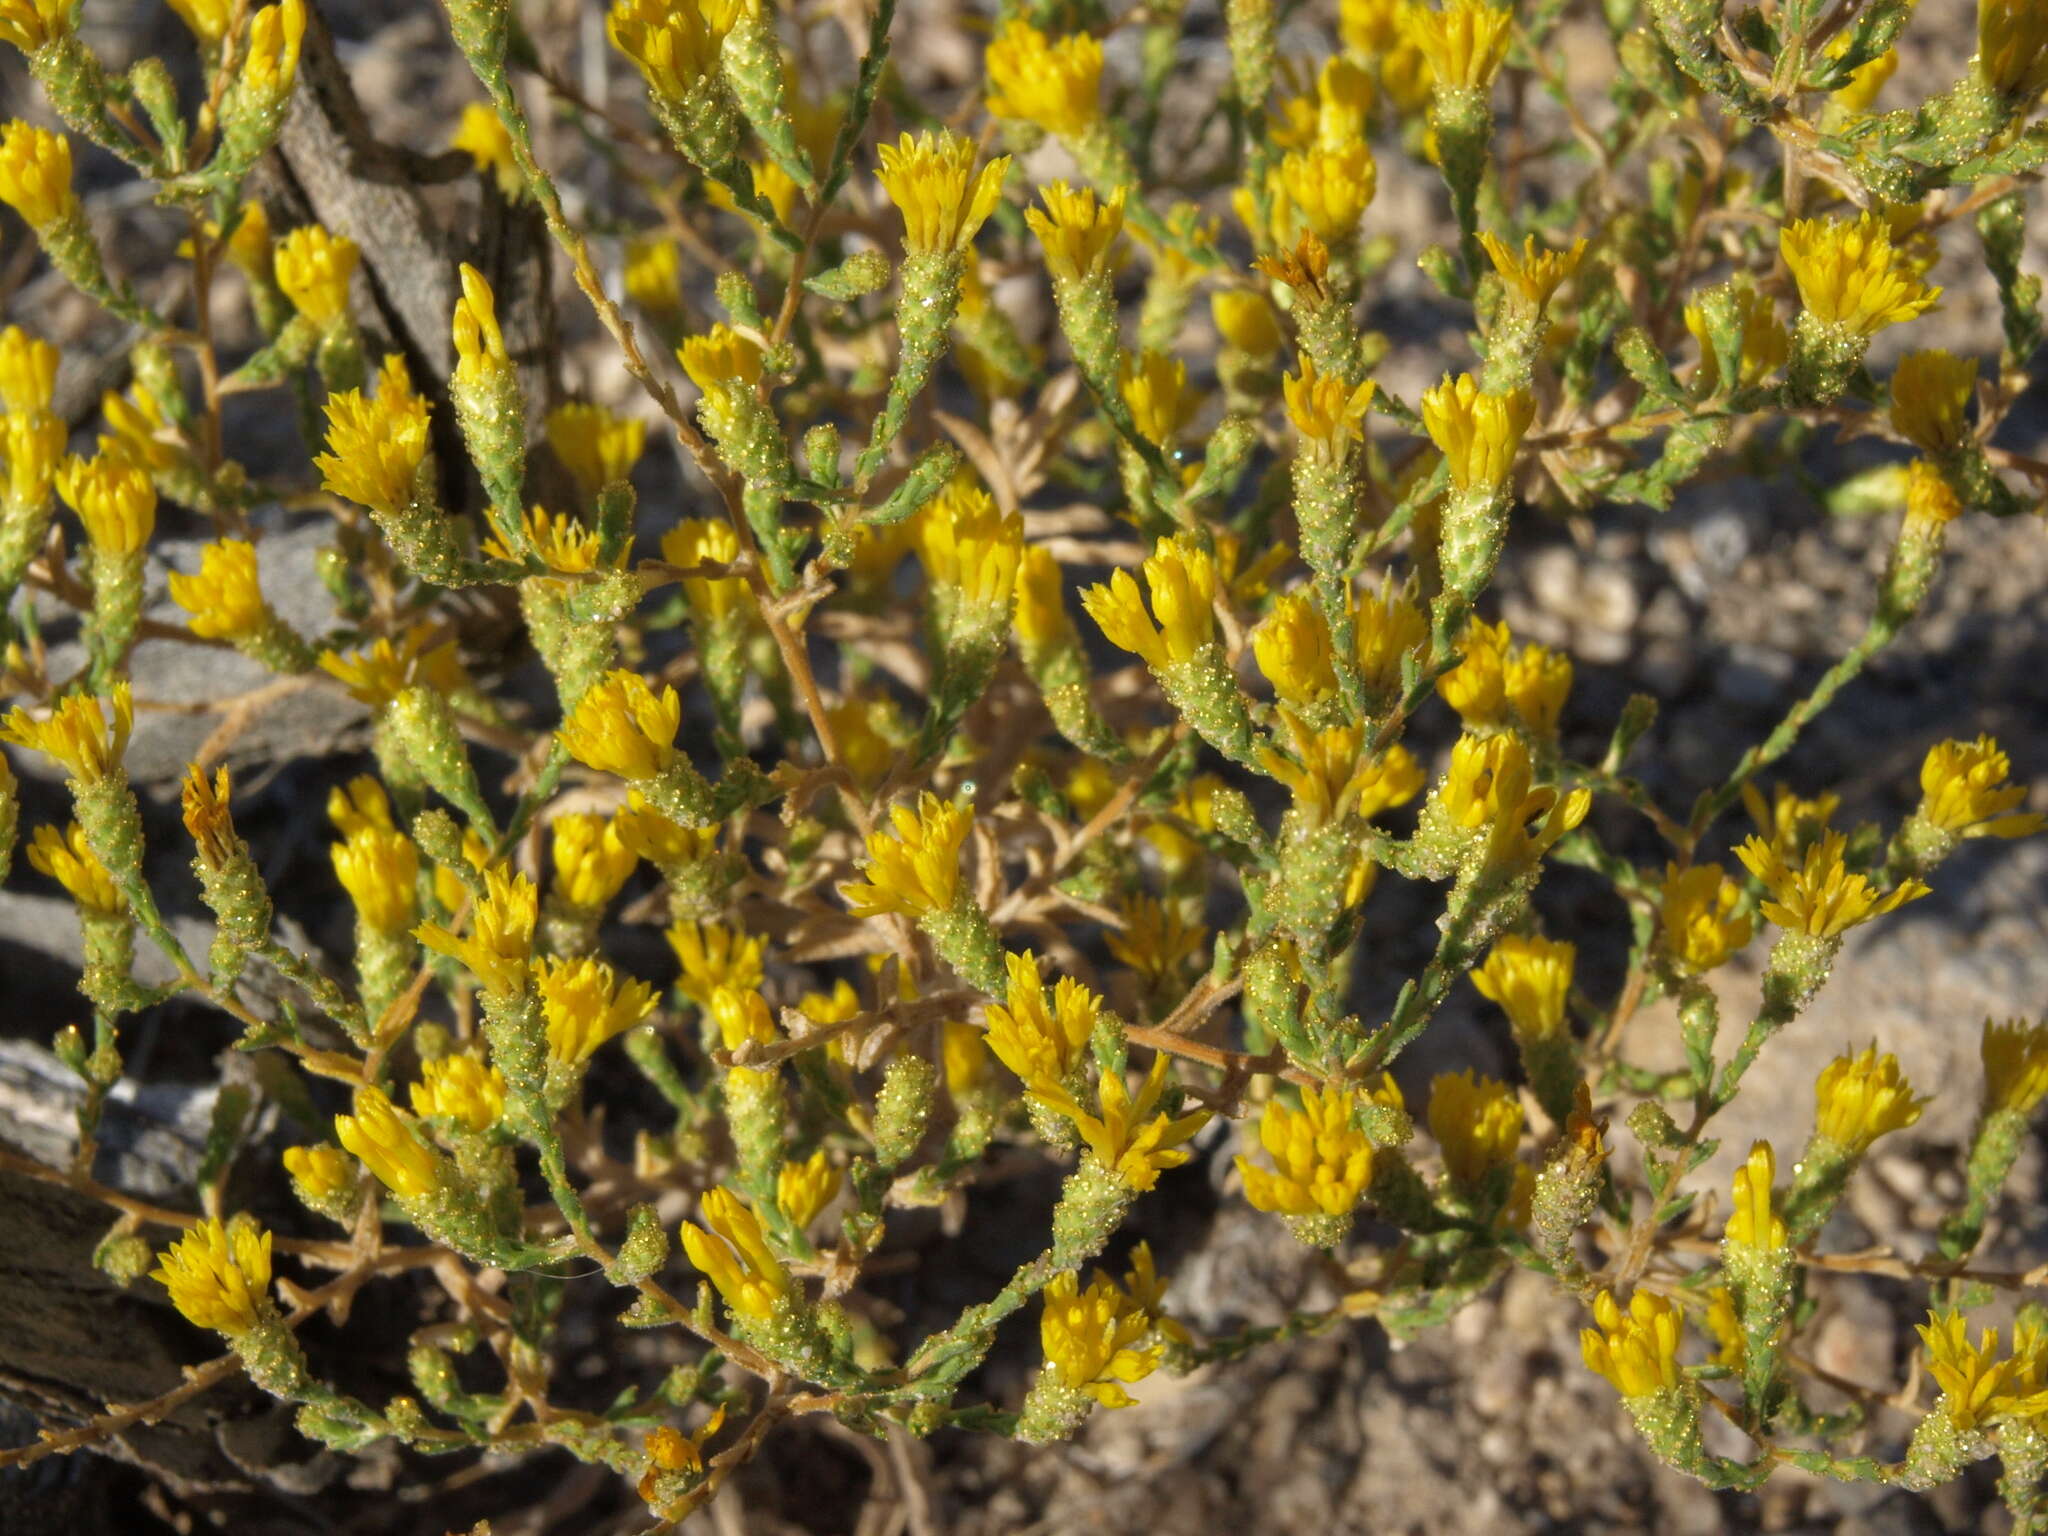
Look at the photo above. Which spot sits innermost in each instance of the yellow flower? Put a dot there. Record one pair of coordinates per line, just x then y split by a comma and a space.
77, 734
1855, 95
113, 497
736, 1256
29, 24
460, 1087
916, 871
653, 837
1329, 778
1819, 896
1963, 790
1321, 1162
224, 599
1465, 43
670, 1450
375, 447
1328, 416
932, 181
1245, 320
591, 859
313, 268
1476, 1121
674, 43
28, 372
1389, 627
219, 1274
1764, 342
1537, 273
272, 62
719, 357
1636, 1351
559, 540
500, 941
1850, 276
1862, 1097
1155, 387
1477, 432
1930, 499
249, 245
1696, 912
1053, 84
713, 956
969, 547
1530, 978
1041, 608
481, 135
595, 445
1181, 578
67, 858
387, 1142
654, 275
1751, 1222
1477, 686
138, 430
707, 541
358, 804
1157, 938
1370, 28
1537, 681
623, 726
1129, 1139
1326, 189
1488, 786
384, 669
804, 1189
1091, 1338
2012, 47
1292, 644
1043, 1043
379, 868
1976, 1386
31, 447
479, 343
2015, 1056
1790, 824
35, 174
742, 1017
585, 1004
1075, 229
323, 1172
1930, 392
965, 1057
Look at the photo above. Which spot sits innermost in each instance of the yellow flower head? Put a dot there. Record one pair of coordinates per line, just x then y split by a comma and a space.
1042, 1041
721, 356
385, 668
1466, 42
1245, 320
586, 1004
1696, 914
674, 43
379, 868
1330, 777
1292, 644
1181, 578
1963, 790
1977, 1386
915, 871
1132, 1139
670, 1450
1930, 393
1477, 686
31, 448
1788, 823
591, 860
1051, 83
1476, 1121
1637, 1350
272, 62
595, 445
653, 837
1538, 680
1930, 500
654, 280
2012, 48
35, 174
964, 1055
804, 1189
1389, 626
67, 858
1536, 273
358, 804
479, 343
1530, 978
1370, 28
623, 726
1322, 1162
500, 941
206, 814
1764, 342
460, 1087
1478, 433
375, 446
219, 1274
88, 742
1862, 1097
1488, 786
742, 1017
1041, 608
137, 429
28, 372
1092, 1338
1820, 896
313, 268
1324, 190
1849, 274
1157, 938
29, 24
322, 1172
1751, 1221
735, 1254
1075, 229
697, 541
713, 956
224, 599
559, 540
1328, 416
481, 135
969, 547
113, 497
931, 179
2015, 1058
388, 1143
1155, 387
